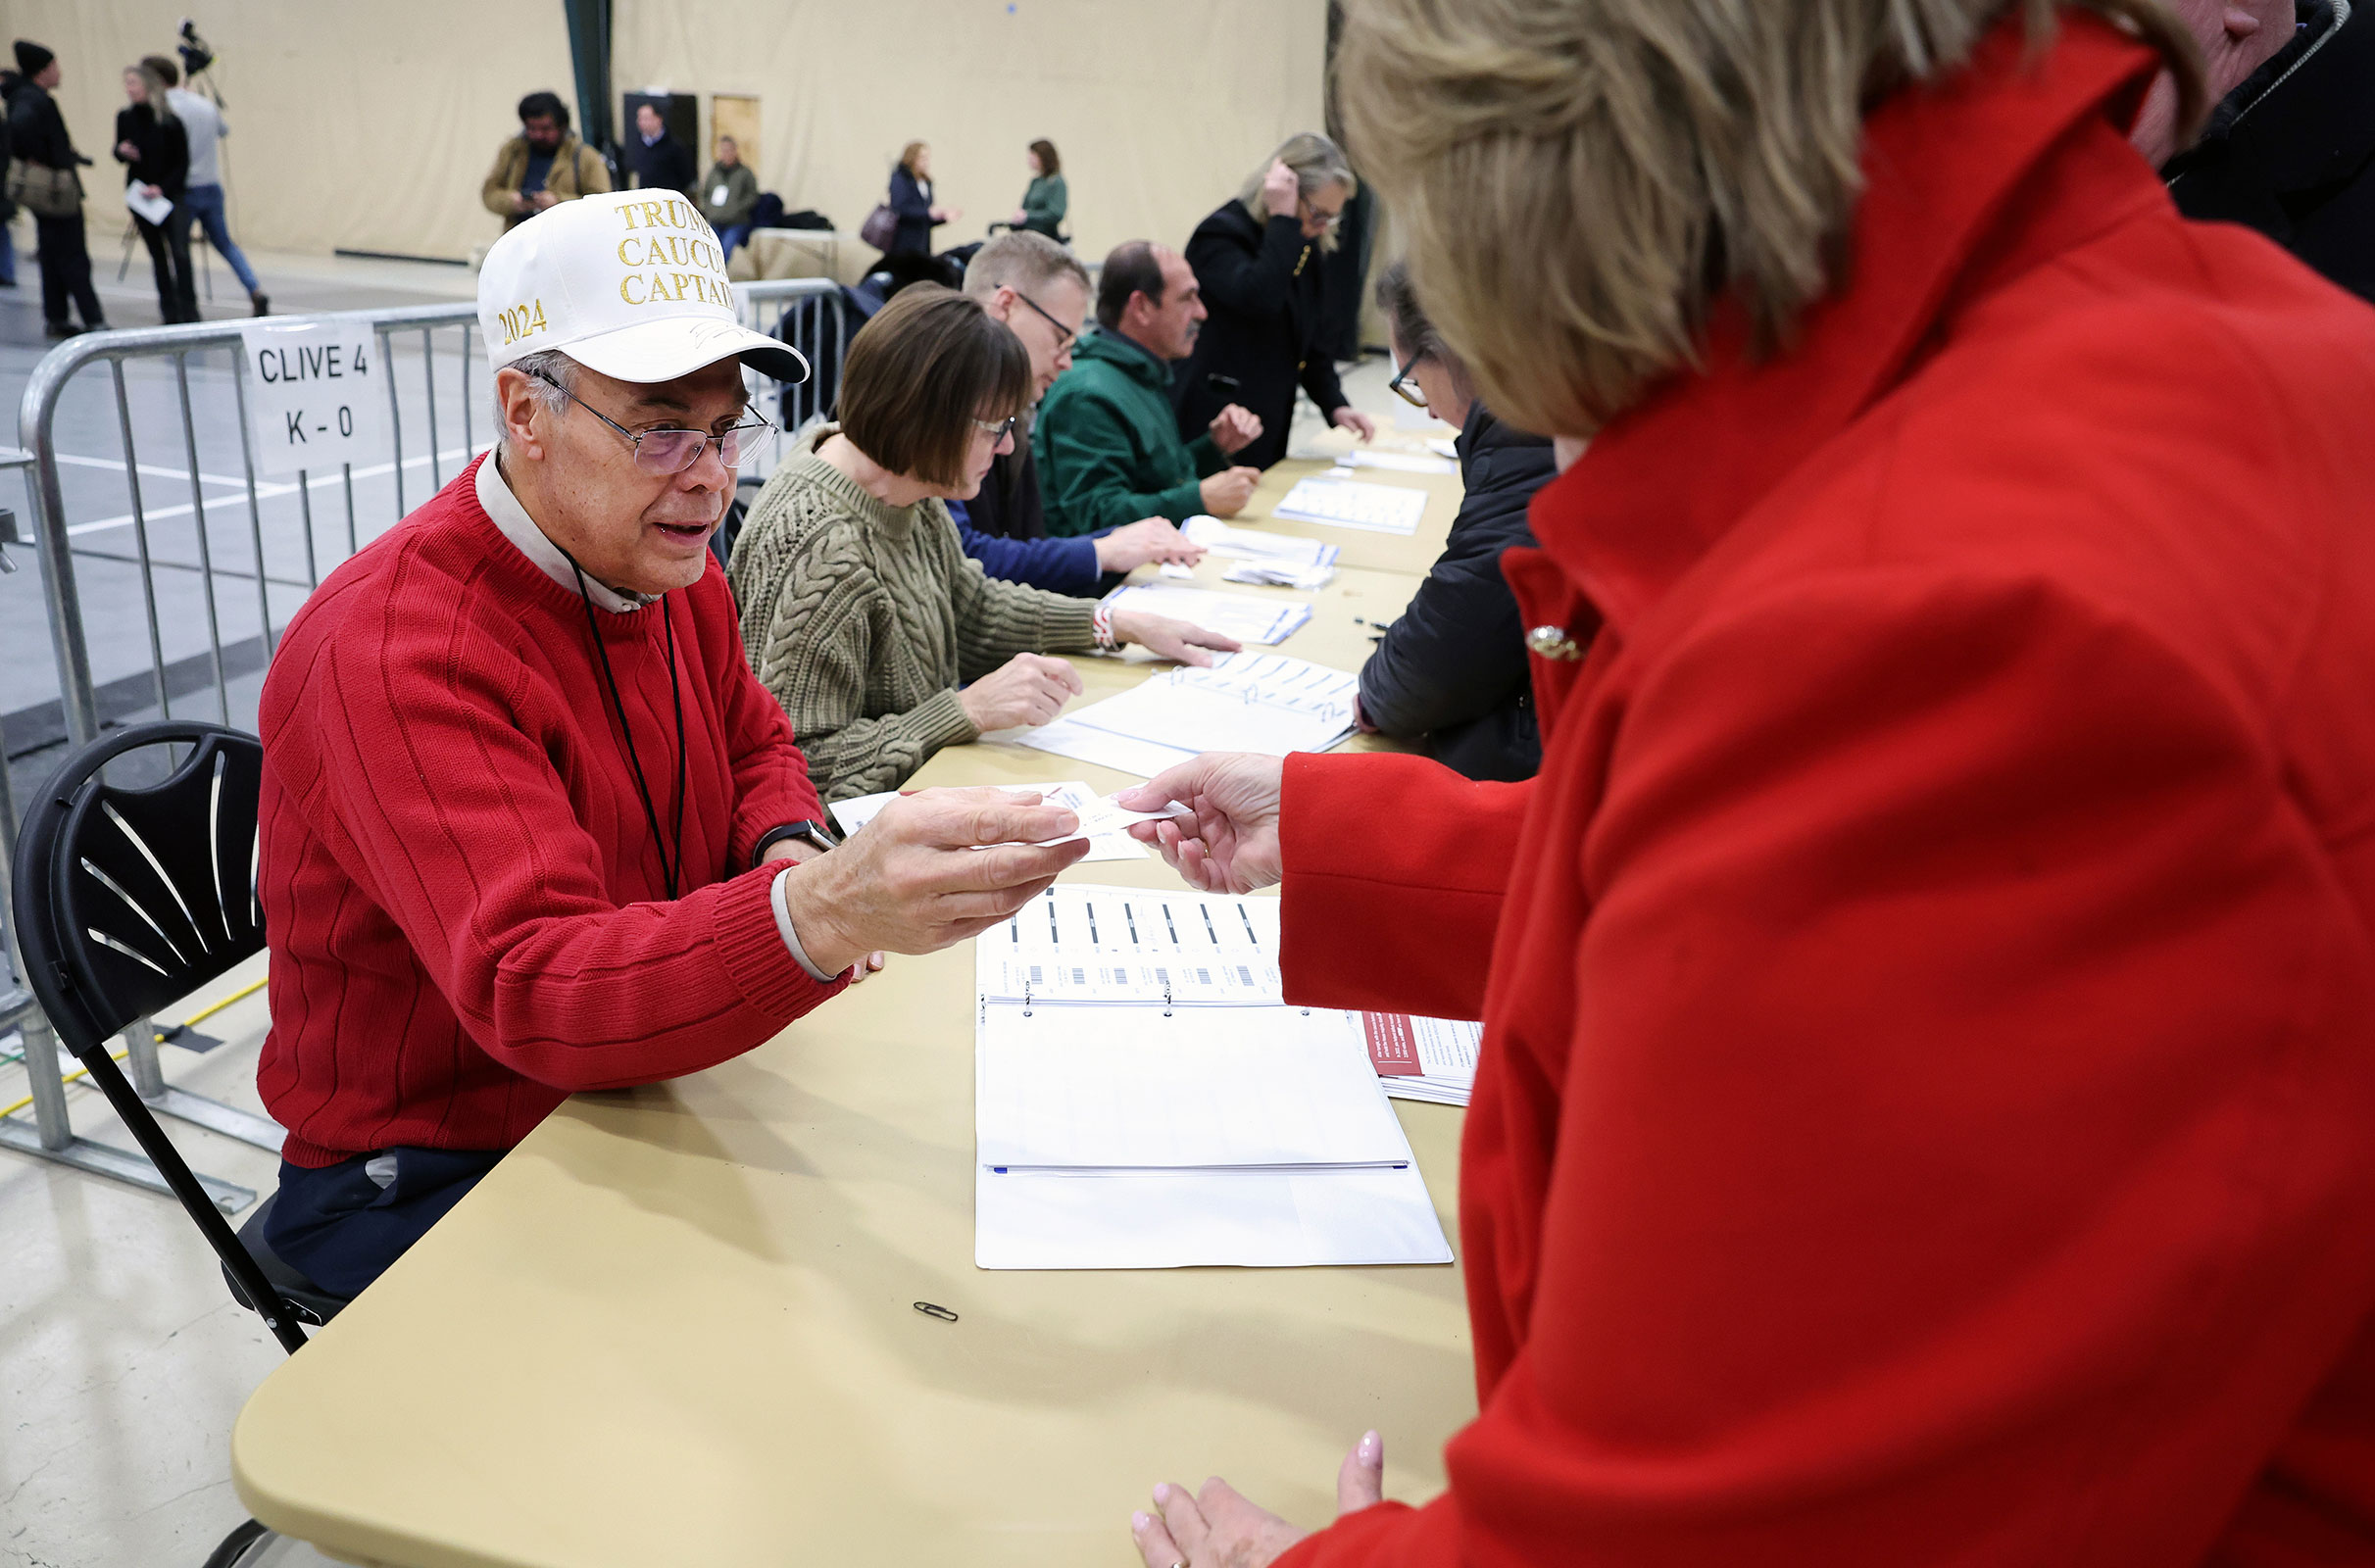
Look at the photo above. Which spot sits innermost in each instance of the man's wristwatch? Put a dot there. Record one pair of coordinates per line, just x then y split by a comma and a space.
807, 828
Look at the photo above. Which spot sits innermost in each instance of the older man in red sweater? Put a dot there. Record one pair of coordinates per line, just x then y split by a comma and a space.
530, 823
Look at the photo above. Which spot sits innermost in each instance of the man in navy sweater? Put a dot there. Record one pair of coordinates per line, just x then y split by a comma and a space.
1041, 292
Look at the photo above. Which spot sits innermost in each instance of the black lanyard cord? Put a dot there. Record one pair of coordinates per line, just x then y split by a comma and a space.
669, 867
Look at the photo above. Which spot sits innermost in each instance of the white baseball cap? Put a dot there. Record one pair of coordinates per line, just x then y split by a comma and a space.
627, 283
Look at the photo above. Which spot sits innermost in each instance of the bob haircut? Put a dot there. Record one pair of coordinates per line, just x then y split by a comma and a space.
1318, 162
1582, 181
910, 153
919, 374
1049, 162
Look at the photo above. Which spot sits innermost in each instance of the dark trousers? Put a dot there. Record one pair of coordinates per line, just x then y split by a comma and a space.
66, 271
342, 1225
169, 253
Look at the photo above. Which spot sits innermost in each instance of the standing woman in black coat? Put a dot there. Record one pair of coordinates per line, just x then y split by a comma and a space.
1452, 670
149, 137
1257, 262
911, 201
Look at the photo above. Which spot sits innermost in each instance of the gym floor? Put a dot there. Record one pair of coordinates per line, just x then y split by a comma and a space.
124, 1361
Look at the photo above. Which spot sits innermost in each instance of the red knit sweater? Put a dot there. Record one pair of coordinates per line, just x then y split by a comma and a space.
461, 895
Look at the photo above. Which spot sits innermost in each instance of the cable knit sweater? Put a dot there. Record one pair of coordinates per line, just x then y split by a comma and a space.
863, 618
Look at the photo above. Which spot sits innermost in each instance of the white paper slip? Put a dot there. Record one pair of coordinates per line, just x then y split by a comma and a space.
1239, 615
1442, 446
1104, 843
1353, 504
156, 209
1249, 544
1176, 571
1234, 1218
1153, 1087
1398, 462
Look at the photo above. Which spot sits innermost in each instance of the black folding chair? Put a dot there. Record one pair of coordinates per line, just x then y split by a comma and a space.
128, 899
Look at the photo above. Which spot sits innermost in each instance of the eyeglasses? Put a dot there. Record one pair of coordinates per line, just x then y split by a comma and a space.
1334, 219
669, 451
1063, 333
1402, 387
998, 429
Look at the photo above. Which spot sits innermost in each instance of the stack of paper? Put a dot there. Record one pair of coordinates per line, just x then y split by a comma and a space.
1143, 1100
1423, 1059
1239, 615
1269, 560
1353, 504
1248, 701
1113, 845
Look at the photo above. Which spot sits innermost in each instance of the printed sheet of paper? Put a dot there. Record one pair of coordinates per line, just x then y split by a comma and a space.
1080, 942
1248, 701
1243, 616
1105, 843
1249, 544
1353, 504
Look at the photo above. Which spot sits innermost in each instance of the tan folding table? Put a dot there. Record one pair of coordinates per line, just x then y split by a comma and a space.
676, 1325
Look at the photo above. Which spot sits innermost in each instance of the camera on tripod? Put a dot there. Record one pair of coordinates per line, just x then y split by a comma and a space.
196, 55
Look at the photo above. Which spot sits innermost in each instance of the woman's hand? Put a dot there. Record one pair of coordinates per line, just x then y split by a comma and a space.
1232, 844
947, 215
1352, 418
1282, 194
128, 152
1166, 638
913, 881
1028, 689
1216, 1528
1019, 219
1134, 544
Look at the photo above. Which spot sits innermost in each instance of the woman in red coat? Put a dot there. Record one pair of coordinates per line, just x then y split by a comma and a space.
1927, 1111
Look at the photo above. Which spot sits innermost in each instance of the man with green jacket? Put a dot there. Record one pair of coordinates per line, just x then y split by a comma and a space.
1108, 444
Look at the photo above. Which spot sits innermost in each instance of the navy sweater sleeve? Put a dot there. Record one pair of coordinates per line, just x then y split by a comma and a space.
1060, 565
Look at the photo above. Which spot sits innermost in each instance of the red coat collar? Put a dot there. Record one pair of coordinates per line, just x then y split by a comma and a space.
1938, 223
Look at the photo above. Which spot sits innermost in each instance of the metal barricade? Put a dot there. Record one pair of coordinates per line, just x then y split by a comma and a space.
428, 352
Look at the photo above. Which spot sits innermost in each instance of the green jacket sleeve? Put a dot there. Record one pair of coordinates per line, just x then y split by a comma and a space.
1210, 461
1088, 477
1045, 201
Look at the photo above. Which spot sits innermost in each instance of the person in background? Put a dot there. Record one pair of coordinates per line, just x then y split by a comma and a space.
1041, 292
1929, 990
2289, 150
1255, 261
36, 134
543, 165
10, 78
202, 196
1045, 200
1451, 669
911, 203
151, 141
728, 196
660, 161
1108, 444
858, 610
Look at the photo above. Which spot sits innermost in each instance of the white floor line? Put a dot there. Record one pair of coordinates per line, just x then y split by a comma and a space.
153, 469
265, 490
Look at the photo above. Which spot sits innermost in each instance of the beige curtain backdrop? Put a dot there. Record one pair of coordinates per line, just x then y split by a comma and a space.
363, 126
354, 125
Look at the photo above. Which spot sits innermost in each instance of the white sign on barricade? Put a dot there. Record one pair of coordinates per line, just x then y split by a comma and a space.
317, 396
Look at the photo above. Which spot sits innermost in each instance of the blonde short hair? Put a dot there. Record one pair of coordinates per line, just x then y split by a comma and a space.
1581, 181
1318, 162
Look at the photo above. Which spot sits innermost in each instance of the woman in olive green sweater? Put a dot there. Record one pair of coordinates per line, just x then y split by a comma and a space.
1045, 201
859, 611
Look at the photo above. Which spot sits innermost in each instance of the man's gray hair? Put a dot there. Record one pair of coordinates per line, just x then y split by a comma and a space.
1024, 262
543, 368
